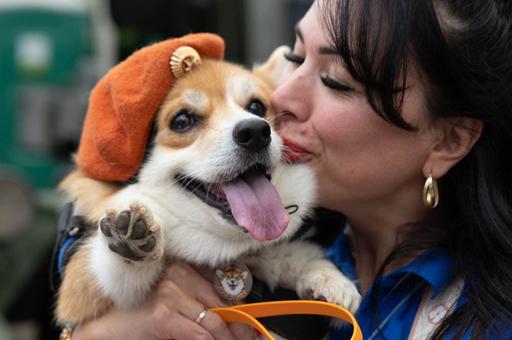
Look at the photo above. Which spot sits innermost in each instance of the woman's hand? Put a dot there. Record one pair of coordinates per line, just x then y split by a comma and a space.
170, 312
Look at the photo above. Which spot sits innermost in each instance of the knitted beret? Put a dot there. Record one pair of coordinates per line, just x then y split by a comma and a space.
123, 104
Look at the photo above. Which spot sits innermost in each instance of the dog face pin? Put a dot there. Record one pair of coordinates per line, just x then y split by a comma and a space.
233, 282
183, 60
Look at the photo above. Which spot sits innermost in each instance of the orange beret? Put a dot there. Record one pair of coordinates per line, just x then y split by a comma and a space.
123, 104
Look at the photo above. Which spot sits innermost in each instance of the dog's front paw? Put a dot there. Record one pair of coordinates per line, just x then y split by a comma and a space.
328, 284
132, 233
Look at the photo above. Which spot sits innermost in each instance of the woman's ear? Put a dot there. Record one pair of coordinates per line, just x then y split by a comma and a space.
455, 139
273, 70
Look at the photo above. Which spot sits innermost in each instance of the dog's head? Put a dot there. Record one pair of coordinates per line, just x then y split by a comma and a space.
215, 139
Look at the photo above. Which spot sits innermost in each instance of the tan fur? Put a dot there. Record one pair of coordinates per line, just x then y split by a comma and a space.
172, 139
88, 194
79, 299
273, 70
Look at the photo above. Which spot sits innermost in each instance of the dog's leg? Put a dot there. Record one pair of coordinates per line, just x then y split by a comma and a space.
302, 266
79, 297
321, 280
127, 255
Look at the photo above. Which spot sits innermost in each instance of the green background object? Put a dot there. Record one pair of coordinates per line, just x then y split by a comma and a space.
38, 48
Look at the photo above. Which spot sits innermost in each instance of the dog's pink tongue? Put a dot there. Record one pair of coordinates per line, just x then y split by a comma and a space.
256, 206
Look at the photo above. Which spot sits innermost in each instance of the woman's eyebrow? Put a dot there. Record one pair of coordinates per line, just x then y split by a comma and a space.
322, 49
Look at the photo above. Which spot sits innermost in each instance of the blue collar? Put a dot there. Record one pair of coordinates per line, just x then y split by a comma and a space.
436, 268
432, 266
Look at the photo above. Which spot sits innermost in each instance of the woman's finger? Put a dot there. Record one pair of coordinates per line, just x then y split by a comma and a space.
183, 274
214, 324
242, 331
172, 325
195, 311
174, 299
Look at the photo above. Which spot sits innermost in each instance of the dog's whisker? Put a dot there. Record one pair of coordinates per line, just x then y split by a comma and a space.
285, 148
275, 117
207, 192
286, 159
282, 130
278, 114
190, 181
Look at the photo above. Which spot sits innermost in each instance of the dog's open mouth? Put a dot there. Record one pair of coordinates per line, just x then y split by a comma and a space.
250, 200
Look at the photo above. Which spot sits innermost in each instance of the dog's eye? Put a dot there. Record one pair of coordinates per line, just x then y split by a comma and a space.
256, 107
183, 121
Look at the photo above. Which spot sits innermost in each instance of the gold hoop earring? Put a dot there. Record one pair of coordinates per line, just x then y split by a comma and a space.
430, 193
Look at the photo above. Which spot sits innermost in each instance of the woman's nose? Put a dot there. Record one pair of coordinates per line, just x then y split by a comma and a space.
292, 97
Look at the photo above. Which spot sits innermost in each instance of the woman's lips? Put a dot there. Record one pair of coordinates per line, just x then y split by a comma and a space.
294, 153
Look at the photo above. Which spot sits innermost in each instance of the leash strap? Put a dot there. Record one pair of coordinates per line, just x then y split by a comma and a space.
248, 313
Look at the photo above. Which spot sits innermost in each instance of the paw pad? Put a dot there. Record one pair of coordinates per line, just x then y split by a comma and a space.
132, 233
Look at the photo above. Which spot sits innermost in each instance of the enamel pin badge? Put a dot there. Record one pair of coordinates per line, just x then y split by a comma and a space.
233, 282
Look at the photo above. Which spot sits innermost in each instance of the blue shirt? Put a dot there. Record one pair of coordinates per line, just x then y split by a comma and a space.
399, 295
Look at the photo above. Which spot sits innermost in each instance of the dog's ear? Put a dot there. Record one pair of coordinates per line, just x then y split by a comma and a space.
273, 69
244, 275
219, 273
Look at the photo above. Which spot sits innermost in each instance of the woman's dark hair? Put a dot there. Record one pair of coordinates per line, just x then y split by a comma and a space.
463, 51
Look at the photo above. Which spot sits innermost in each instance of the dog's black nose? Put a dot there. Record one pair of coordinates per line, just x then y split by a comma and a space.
252, 134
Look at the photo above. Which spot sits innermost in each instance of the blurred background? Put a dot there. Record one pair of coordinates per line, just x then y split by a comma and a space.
51, 54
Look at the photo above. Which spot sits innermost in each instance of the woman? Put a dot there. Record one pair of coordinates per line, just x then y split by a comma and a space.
384, 99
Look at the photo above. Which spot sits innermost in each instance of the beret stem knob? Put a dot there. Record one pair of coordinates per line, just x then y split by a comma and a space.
183, 60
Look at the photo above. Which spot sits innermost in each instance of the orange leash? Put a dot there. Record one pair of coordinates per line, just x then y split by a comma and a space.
249, 312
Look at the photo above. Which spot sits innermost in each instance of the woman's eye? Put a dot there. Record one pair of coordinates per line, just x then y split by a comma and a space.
335, 85
183, 121
256, 107
294, 58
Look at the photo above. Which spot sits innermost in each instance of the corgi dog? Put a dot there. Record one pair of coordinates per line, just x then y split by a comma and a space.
213, 189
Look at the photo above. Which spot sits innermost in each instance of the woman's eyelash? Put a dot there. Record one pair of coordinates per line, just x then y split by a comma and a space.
335, 85
326, 80
294, 58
